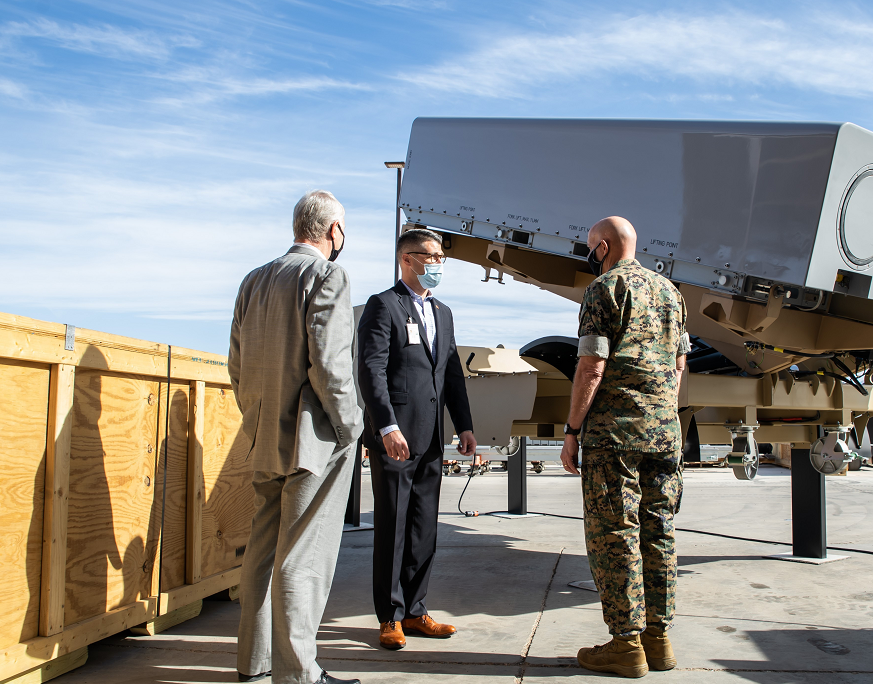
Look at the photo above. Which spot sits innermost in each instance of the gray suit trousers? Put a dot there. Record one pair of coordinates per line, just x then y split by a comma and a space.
295, 540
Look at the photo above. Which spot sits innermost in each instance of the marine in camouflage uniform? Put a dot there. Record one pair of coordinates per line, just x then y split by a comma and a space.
631, 482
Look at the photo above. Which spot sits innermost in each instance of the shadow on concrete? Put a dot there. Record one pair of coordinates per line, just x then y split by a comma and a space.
798, 653
486, 558
697, 560
690, 561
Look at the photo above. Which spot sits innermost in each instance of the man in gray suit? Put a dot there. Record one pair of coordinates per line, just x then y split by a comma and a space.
290, 364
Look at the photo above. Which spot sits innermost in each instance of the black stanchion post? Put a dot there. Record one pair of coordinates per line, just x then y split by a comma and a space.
517, 472
691, 448
353, 508
808, 519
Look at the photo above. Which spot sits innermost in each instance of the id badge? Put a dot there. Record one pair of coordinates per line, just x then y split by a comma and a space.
412, 333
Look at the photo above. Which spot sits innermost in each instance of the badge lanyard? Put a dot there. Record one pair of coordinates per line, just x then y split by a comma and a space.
413, 333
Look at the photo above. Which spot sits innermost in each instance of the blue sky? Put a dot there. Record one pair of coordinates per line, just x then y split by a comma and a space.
151, 152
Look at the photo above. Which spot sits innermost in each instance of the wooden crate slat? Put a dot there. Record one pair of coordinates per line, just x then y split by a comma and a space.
26, 655
29, 339
190, 364
164, 622
52, 669
207, 586
194, 556
57, 481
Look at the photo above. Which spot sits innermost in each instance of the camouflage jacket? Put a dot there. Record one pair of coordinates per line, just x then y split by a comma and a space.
635, 319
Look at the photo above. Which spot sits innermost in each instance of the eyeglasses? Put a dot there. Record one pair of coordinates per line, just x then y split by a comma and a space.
432, 257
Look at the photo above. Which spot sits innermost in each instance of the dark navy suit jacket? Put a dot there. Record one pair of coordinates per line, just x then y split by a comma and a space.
401, 383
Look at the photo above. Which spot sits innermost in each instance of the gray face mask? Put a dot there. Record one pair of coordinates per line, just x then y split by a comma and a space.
596, 264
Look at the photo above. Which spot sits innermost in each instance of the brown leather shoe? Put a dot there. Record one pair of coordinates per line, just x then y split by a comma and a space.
391, 635
426, 626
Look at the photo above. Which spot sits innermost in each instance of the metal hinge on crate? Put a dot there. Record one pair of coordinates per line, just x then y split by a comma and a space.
70, 338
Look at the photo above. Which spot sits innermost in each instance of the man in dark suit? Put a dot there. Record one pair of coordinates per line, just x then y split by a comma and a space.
408, 371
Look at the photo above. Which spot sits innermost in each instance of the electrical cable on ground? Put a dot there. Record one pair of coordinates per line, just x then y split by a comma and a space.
469, 514
476, 514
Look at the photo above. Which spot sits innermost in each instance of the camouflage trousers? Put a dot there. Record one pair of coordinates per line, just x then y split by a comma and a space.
630, 500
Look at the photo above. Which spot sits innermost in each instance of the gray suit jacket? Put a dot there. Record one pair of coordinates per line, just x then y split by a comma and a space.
290, 362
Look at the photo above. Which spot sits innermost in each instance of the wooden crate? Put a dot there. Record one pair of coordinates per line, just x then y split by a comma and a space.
97, 534
782, 455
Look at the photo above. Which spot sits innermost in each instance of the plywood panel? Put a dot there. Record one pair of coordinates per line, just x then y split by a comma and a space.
111, 533
227, 475
24, 389
175, 510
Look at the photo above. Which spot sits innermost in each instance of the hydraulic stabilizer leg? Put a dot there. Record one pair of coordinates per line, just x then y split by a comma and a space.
744, 457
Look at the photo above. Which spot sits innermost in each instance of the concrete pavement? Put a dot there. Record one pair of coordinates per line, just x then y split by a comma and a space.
503, 583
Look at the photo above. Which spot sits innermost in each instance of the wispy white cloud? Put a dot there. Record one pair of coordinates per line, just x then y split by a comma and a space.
12, 89
105, 39
813, 52
209, 83
689, 97
411, 4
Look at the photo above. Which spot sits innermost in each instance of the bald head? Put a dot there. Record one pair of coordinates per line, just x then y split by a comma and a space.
619, 236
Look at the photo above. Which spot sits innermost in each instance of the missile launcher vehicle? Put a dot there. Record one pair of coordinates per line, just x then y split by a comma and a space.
766, 228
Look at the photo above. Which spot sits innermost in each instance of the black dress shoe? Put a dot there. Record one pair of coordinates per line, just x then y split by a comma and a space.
254, 678
327, 679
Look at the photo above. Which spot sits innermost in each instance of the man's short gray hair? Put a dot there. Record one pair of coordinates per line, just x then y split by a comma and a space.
314, 213
416, 238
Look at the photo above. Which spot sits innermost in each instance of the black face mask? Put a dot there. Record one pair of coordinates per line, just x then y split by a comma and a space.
334, 252
596, 264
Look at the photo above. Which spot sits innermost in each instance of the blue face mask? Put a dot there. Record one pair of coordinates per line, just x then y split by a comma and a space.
433, 274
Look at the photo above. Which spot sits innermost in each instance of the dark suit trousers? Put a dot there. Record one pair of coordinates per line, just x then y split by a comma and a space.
406, 501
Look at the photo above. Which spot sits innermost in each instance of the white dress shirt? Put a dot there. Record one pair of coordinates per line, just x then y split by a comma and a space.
424, 306
311, 248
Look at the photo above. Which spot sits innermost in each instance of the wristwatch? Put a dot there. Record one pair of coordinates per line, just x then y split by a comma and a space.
570, 431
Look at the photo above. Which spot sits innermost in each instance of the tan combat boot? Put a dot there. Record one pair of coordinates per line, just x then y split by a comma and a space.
659, 652
623, 655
